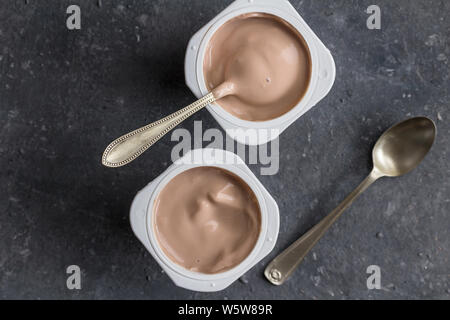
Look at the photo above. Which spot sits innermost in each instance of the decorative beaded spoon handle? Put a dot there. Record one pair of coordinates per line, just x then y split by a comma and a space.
130, 146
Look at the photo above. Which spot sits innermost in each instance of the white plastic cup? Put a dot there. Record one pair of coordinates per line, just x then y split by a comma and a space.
142, 220
322, 75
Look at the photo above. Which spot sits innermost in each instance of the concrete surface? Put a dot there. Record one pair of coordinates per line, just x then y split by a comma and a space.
64, 95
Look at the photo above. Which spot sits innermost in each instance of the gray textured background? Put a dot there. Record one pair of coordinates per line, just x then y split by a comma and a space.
64, 95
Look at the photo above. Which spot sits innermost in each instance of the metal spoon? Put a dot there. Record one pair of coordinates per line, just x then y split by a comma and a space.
243, 78
399, 150
128, 147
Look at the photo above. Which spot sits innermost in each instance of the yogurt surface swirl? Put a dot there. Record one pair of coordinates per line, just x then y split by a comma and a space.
207, 220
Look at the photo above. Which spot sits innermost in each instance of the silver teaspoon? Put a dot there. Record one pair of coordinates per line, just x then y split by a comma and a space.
399, 150
128, 147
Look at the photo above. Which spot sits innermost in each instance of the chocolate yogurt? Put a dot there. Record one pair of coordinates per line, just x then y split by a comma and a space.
207, 220
267, 61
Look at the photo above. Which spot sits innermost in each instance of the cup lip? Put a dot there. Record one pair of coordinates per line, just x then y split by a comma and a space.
178, 269
298, 25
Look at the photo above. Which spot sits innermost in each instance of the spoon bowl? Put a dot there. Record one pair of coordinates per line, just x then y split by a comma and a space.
402, 147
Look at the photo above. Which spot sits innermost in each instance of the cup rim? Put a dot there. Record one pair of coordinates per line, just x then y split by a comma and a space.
298, 25
244, 264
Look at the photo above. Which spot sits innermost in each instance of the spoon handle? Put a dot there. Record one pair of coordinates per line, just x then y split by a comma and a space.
284, 264
130, 146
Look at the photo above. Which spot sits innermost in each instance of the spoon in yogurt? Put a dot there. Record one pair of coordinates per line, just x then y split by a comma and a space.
243, 79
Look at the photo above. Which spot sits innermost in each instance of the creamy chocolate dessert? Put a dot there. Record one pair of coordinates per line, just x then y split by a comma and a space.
263, 61
207, 220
